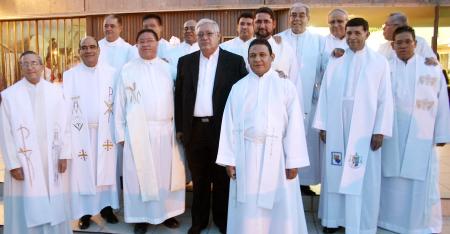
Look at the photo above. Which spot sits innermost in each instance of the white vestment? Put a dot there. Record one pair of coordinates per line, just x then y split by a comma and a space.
262, 135
90, 95
177, 52
33, 121
355, 102
307, 47
422, 49
116, 53
410, 200
330, 43
153, 173
237, 46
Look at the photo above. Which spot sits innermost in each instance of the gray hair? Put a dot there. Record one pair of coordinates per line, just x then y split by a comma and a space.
338, 10
30, 52
300, 5
400, 17
205, 21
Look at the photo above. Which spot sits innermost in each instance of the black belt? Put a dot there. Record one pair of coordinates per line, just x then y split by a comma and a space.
206, 119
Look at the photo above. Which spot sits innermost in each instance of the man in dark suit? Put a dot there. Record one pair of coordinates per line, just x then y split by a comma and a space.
204, 80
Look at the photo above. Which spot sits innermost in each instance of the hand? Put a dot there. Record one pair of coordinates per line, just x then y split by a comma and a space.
291, 173
431, 61
323, 136
231, 172
376, 141
440, 144
179, 137
337, 52
62, 165
17, 173
277, 39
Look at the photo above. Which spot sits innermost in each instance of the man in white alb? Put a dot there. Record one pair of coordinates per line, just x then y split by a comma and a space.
32, 142
410, 199
307, 47
262, 145
89, 89
153, 173
337, 18
354, 113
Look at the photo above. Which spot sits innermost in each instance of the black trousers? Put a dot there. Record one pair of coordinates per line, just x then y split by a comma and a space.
201, 154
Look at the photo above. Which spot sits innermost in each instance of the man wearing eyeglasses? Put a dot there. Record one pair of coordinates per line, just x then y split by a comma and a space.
204, 80
394, 21
337, 18
33, 146
307, 47
89, 88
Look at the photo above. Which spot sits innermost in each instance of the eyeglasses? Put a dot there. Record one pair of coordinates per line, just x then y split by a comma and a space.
109, 25
92, 47
336, 22
208, 34
299, 15
192, 28
30, 64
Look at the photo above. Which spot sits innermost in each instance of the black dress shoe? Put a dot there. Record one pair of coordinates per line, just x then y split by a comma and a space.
194, 230
329, 230
84, 222
108, 215
306, 190
171, 223
140, 228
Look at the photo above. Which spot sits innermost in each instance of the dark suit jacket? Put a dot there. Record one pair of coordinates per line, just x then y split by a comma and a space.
230, 69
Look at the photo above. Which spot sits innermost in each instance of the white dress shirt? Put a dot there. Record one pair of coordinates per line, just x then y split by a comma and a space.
206, 74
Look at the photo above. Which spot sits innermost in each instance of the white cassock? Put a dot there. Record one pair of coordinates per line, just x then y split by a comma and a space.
177, 52
422, 49
262, 135
164, 50
116, 53
329, 44
410, 200
237, 46
355, 102
90, 95
153, 172
307, 47
33, 120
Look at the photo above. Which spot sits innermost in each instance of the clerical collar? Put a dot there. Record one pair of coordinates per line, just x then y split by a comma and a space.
29, 84
410, 60
359, 51
114, 43
297, 35
337, 38
88, 68
148, 61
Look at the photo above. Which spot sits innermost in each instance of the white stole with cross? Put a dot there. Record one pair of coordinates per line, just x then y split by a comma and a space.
40, 194
421, 134
87, 176
372, 114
